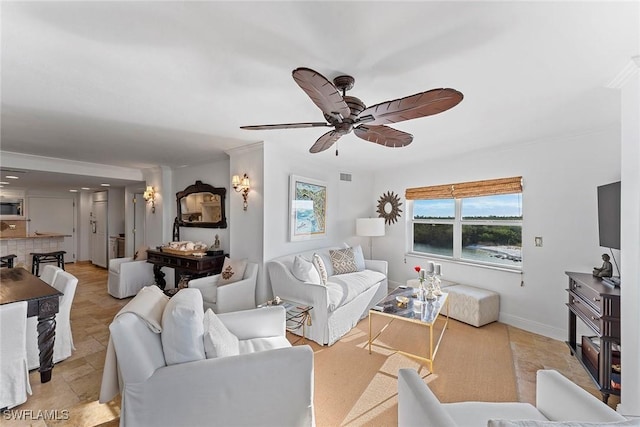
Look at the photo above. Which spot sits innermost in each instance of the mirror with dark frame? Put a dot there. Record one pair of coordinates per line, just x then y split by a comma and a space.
201, 205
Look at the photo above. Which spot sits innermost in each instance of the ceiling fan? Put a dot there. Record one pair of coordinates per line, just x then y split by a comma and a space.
348, 113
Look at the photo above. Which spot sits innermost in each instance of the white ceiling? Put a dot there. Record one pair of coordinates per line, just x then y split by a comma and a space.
140, 84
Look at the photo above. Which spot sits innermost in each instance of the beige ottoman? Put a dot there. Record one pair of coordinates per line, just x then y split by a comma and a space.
472, 305
468, 304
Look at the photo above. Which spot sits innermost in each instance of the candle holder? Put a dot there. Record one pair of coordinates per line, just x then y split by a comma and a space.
430, 295
437, 282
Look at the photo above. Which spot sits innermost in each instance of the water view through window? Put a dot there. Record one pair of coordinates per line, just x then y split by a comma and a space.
489, 228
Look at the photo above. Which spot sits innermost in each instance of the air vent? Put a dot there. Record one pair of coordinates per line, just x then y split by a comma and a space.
345, 177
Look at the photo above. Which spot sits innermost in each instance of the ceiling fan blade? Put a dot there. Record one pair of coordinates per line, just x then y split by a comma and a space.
383, 135
322, 92
412, 107
287, 126
325, 141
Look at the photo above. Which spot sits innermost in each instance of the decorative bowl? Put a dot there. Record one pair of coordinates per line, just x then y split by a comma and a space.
402, 300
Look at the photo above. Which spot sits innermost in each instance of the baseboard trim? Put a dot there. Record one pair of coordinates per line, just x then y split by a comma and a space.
392, 285
535, 327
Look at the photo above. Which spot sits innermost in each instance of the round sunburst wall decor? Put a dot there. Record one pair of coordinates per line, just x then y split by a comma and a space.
389, 207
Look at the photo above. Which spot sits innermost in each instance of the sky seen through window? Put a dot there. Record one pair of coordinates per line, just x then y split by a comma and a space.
502, 205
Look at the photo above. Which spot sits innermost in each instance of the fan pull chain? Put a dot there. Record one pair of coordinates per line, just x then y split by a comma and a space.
337, 143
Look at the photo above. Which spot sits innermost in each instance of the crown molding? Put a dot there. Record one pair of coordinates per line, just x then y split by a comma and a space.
245, 148
72, 167
631, 69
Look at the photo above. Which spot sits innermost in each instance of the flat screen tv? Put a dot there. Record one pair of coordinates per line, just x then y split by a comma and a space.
609, 215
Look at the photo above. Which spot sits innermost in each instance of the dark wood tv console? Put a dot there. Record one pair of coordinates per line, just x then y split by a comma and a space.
183, 264
598, 307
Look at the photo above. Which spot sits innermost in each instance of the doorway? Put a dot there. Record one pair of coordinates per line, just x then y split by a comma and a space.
98, 221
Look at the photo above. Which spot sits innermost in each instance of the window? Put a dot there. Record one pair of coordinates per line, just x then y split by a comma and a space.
433, 226
477, 222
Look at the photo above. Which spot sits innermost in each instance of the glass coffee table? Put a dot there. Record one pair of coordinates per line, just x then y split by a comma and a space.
298, 316
422, 313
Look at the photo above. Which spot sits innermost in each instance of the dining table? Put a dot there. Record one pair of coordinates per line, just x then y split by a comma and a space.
18, 284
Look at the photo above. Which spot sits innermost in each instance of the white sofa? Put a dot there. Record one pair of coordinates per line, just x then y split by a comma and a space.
338, 306
557, 399
237, 390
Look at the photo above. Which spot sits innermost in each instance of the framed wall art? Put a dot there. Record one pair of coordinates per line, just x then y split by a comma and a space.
307, 208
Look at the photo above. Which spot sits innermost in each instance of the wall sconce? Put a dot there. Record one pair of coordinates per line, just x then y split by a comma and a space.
150, 196
241, 185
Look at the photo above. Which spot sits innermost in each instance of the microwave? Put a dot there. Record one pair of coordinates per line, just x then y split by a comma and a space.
11, 206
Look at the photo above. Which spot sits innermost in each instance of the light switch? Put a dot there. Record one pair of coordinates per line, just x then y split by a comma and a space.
538, 241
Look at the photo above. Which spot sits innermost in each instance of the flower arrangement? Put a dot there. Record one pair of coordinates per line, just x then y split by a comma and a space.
426, 292
421, 275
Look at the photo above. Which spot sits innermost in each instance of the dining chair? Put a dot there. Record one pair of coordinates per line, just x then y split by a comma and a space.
49, 273
63, 344
14, 375
7, 260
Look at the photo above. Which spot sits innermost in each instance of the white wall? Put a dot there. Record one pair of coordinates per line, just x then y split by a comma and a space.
116, 211
129, 212
630, 241
246, 228
559, 203
346, 200
158, 225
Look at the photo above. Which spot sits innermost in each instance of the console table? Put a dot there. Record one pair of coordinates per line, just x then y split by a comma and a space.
598, 307
183, 264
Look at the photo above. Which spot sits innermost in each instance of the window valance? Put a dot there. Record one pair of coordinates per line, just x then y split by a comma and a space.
467, 189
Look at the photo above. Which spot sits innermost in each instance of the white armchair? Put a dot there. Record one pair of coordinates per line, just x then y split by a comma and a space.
63, 343
233, 390
127, 277
240, 295
557, 399
14, 375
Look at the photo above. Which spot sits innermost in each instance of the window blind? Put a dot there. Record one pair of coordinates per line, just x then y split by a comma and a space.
461, 190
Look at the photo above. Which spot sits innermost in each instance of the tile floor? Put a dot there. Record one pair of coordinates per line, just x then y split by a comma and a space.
75, 386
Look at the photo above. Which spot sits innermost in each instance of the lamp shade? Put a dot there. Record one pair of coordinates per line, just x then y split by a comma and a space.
370, 227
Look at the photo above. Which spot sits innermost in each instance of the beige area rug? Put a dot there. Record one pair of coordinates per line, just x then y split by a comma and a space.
355, 388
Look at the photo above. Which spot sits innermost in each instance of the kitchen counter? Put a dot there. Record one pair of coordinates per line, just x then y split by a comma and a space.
36, 236
22, 247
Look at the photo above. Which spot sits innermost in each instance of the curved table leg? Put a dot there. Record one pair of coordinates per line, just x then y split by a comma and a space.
46, 338
159, 276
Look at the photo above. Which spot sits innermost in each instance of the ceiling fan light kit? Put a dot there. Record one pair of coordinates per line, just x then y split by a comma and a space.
348, 113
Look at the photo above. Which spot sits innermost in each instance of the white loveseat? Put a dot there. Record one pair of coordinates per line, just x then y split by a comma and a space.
225, 390
338, 306
557, 399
